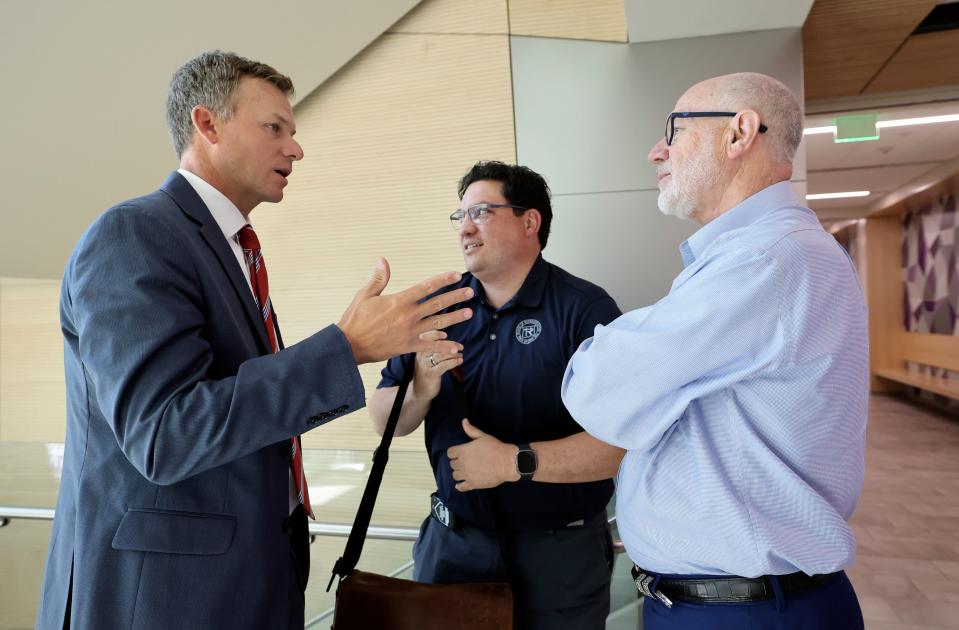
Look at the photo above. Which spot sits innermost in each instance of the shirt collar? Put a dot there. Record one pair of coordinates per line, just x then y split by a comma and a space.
227, 216
530, 294
744, 213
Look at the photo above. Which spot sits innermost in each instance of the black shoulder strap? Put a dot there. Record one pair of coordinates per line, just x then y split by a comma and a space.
361, 524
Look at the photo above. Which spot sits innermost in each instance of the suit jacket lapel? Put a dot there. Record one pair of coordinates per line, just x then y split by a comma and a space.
185, 196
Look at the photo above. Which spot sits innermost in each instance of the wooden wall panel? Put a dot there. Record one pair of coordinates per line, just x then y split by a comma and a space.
32, 390
884, 294
846, 42
941, 351
598, 20
455, 16
924, 61
386, 141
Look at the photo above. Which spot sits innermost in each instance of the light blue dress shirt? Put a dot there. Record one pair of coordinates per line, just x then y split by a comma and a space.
741, 398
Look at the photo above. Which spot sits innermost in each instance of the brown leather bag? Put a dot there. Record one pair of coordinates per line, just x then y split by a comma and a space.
367, 601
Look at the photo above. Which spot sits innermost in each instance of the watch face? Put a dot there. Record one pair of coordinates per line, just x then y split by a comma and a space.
526, 462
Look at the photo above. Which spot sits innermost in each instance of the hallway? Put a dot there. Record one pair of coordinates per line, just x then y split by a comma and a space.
907, 520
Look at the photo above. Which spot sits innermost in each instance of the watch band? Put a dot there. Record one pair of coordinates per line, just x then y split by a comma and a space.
526, 462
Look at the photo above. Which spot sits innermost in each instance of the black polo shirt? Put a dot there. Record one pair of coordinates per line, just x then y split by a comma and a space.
514, 360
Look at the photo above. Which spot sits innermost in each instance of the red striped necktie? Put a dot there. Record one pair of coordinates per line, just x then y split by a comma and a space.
261, 295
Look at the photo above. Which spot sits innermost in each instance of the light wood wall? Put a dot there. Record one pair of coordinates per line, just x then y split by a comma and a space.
884, 290
32, 390
386, 140
595, 20
892, 348
477, 17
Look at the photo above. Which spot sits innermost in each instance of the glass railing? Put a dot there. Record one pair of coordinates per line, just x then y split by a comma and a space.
29, 478
23, 553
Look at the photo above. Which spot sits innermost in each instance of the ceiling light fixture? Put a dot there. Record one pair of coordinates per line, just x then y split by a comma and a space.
838, 195
925, 120
809, 131
882, 124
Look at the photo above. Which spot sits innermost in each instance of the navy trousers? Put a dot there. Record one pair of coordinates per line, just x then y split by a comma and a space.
560, 578
831, 606
298, 529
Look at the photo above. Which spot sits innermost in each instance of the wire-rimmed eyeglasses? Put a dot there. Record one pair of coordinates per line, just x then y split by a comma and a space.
671, 122
479, 213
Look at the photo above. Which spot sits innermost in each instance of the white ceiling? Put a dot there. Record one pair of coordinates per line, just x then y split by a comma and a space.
901, 154
83, 98
650, 20
85, 81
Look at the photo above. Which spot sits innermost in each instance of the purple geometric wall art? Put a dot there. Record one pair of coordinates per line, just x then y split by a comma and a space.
930, 266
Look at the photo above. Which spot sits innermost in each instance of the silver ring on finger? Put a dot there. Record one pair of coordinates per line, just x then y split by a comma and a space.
432, 360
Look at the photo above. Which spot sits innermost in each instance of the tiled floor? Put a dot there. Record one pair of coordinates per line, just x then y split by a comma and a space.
907, 521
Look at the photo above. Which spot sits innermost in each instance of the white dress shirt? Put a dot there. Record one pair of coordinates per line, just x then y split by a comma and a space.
226, 215
230, 220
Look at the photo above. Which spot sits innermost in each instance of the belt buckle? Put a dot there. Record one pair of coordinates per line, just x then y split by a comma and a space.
643, 582
440, 512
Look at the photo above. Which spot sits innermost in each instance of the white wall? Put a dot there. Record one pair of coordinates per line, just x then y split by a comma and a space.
84, 96
587, 114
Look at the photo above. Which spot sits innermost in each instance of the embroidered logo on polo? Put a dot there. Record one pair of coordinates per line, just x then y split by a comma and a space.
528, 330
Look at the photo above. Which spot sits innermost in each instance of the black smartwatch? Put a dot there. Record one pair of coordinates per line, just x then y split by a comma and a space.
525, 462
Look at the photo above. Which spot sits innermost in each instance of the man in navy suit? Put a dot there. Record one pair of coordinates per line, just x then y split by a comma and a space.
181, 504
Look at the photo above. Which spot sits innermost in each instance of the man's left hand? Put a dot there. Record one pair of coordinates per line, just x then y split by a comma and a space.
484, 462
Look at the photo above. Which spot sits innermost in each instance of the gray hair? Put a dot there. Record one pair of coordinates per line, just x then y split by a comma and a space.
776, 105
210, 80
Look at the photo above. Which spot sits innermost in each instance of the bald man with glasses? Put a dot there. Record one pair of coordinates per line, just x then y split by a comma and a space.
740, 397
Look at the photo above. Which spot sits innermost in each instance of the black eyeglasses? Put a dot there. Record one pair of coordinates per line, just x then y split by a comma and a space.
671, 122
478, 214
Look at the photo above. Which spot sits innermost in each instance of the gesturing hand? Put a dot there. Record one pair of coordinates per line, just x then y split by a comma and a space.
382, 326
484, 462
431, 366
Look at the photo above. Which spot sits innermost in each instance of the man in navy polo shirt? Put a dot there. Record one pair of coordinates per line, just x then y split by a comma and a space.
519, 475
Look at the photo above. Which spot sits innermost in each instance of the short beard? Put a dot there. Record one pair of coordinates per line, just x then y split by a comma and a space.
675, 206
682, 195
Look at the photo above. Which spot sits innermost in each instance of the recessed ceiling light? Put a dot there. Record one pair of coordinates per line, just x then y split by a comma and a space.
839, 195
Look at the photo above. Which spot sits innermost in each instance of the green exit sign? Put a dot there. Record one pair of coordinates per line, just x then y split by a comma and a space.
857, 128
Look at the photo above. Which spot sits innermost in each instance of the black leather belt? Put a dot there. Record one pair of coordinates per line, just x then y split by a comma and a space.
443, 515
729, 590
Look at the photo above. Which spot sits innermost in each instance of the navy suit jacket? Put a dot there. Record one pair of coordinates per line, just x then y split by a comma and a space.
175, 478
